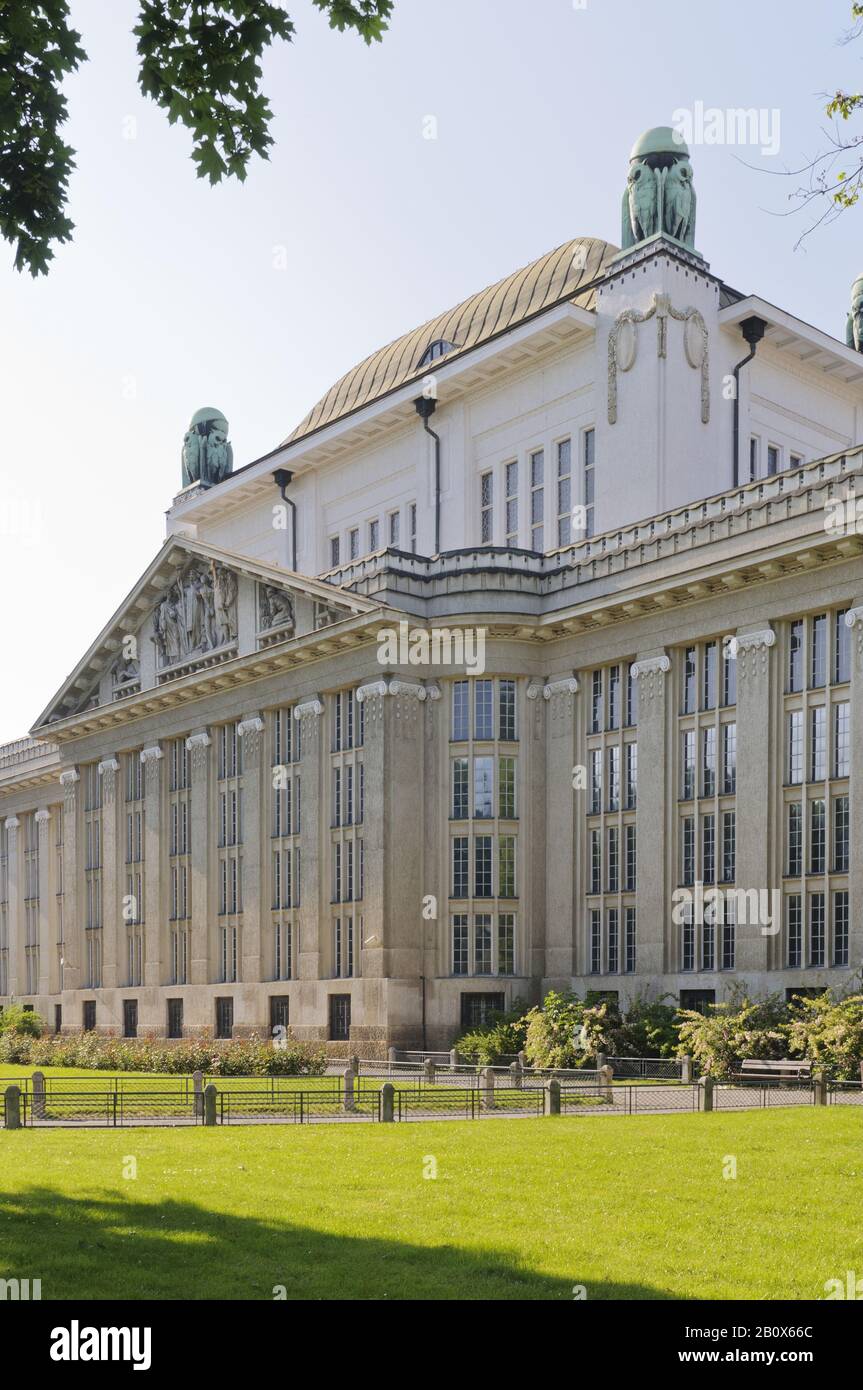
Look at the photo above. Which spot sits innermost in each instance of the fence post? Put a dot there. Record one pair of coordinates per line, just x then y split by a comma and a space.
454, 1059
428, 1071
522, 1060
686, 1068
209, 1104
861, 1073
707, 1084
392, 1055
606, 1076
13, 1107
198, 1096
820, 1085
601, 1060
350, 1078
388, 1096
38, 1095
517, 1076
552, 1097
486, 1088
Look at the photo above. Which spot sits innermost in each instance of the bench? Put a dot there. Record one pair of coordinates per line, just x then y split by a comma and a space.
756, 1069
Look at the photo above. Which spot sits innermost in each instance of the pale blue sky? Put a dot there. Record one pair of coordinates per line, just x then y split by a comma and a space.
169, 297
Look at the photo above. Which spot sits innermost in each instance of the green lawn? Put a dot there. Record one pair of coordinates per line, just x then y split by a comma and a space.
520, 1209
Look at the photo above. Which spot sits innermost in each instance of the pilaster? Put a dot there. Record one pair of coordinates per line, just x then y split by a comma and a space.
854, 620
756, 795
199, 747
314, 898
557, 709
14, 907
155, 867
113, 886
251, 730
46, 899
71, 954
653, 828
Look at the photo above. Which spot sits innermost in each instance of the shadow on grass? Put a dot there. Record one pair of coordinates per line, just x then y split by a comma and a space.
107, 1247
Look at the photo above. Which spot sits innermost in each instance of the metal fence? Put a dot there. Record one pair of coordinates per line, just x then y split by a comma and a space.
844, 1093
112, 1109
648, 1068
749, 1095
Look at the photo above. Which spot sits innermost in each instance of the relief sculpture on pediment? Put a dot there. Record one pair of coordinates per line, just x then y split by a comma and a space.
198, 614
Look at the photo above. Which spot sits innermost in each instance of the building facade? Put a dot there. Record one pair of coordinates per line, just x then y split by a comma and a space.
532, 659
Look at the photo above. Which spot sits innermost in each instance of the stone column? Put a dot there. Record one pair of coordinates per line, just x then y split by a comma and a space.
46, 902
14, 908
72, 920
314, 892
373, 698
854, 620
251, 730
564, 810
199, 746
756, 795
155, 866
655, 952
113, 880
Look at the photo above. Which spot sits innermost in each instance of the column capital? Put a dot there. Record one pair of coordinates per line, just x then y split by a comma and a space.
314, 706
535, 687
253, 725
650, 672
153, 754
752, 649
108, 765
43, 814
568, 686
69, 776
11, 823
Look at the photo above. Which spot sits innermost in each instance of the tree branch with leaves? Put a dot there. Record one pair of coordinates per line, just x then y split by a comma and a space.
199, 61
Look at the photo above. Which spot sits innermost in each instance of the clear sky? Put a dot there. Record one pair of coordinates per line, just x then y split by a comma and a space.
254, 298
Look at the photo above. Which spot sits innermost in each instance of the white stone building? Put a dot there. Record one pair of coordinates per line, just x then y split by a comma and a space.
247, 806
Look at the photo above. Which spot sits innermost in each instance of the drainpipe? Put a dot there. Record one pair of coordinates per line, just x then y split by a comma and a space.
753, 331
425, 408
282, 478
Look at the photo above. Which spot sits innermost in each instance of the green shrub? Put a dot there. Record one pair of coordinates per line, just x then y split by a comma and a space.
566, 1031
503, 1035
720, 1038
15, 1019
246, 1057
829, 1032
649, 1029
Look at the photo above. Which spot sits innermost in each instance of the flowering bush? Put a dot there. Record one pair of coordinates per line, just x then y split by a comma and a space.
829, 1032
566, 1031
247, 1057
721, 1038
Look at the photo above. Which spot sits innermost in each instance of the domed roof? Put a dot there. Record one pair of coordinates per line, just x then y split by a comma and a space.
567, 273
660, 139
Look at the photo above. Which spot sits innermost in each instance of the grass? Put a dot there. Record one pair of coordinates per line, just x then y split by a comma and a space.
520, 1209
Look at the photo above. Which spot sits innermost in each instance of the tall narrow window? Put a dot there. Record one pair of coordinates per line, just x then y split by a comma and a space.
511, 503
589, 445
818, 654
486, 508
564, 492
537, 499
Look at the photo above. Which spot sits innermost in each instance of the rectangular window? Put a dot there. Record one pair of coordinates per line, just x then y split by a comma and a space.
595, 921
354, 543
794, 859
482, 881
340, 1017
613, 860
842, 739
510, 474
334, 551
537, 499
506, 788
629, 860
595, 861
506, 866
589, 454
460, 867
478, 1009
175, 1018
818, 655
460, 788
629, 959
596, 702
689, 681
729, 759
506, 711
614, 697
729, 935
795, 657
631, 697
817, 744
794, 740
130, 1018
486, 508
460, 711
841, 649
841, 834
412, 527
816, 929
753, 458
595, 780
794, 929
687, 939
483, 788
613, 941
817, 837
772, 460
840, 928
459, 944
708, 942
729, 674
708, 761
614, 778
708, 675
374, 534
631, 775
687, 786
564, 492
506, 943
393, 525
708, 849
224, 1018
729, 846
482, 944
688, 850
483, 710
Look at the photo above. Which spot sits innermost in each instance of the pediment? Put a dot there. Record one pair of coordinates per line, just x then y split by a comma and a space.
195, 607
